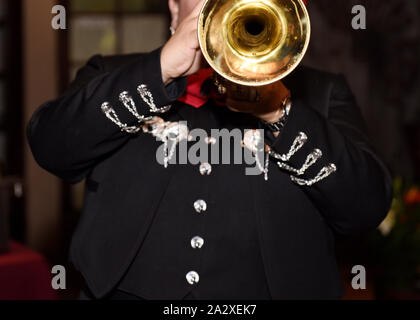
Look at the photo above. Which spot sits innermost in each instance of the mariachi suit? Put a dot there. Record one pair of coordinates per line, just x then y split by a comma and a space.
161, 233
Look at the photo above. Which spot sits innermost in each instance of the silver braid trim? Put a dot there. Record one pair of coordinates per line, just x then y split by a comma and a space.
296, 146
170, 133
130, 105
147, 97
128, 102
324, 173
112, 115
311, 159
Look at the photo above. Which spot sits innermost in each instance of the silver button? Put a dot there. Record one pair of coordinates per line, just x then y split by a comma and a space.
205, 169
192, 277
197, 242
200, 206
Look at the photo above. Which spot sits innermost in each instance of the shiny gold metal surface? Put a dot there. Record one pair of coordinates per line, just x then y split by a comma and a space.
254, 42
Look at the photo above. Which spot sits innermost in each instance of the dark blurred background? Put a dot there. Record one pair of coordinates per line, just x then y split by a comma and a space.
38, 212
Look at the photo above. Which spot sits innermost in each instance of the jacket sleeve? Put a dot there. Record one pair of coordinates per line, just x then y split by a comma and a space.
69, 135
331, 160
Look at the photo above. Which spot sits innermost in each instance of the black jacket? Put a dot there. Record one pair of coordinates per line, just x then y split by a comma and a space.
73, 139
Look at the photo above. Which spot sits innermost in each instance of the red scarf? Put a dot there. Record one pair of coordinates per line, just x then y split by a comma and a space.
193, 95
199, 90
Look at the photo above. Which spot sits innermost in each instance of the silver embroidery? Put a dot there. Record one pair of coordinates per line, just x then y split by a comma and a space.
170, 133
263, 169
266, 165
324, 173
311, 159
296, 146
112, 115
288, 106
147, 97
128, 102
253, 141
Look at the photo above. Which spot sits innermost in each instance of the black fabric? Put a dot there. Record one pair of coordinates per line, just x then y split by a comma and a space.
230, 263
295, 225
86, 295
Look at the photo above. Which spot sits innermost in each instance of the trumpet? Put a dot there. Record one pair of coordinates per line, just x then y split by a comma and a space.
253, 43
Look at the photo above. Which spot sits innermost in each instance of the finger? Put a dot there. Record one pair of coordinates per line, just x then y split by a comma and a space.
240, 93
232, 109
190, 22
253, 94
197, 59
241, 106
197, 9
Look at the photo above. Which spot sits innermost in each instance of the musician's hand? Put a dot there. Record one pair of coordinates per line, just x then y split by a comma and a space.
268, 104
181, 55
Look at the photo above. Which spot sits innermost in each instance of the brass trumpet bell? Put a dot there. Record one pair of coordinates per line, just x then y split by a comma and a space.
254, 42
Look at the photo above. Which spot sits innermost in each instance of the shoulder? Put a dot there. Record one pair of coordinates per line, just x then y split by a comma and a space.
317, 87
100, 64
304, 77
